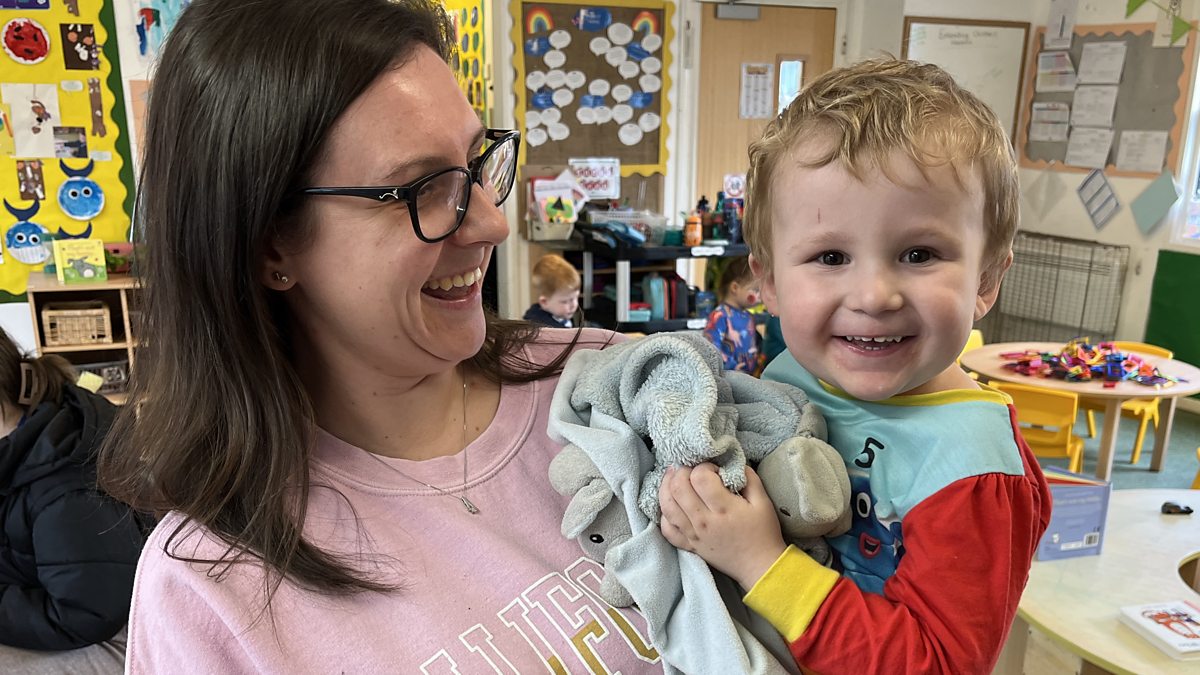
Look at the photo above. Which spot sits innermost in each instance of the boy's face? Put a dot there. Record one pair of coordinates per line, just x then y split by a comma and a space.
562, 304
743, 294
877, 283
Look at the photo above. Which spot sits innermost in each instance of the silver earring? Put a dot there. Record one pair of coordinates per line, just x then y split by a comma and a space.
281, 278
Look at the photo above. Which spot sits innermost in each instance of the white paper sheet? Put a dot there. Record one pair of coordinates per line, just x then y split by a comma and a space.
1060, 24
1050, 122
1093, 106
1102, 63
1142, 151
1055, 72
1089, 147
757, 96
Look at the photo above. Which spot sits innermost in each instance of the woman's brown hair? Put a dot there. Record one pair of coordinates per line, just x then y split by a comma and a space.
220, 428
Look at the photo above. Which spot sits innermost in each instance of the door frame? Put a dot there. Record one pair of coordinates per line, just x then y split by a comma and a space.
688, 86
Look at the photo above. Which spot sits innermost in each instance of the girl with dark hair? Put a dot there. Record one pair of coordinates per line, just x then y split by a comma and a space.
349, 453
67, 552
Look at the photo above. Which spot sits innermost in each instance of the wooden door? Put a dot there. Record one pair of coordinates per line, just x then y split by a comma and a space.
780, 33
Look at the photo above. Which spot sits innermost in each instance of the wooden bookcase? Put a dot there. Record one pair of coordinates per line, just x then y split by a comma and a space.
120, 294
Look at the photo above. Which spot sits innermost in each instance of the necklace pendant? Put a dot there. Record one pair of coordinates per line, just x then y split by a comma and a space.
471, 508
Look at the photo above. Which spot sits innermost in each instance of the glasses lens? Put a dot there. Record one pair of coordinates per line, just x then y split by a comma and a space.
441, 203
499, 170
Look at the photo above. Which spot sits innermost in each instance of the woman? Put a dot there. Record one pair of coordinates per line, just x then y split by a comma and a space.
352, 454
67, 552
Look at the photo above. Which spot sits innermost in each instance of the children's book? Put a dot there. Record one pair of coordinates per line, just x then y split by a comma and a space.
79, 260
1172, 626
1077, 517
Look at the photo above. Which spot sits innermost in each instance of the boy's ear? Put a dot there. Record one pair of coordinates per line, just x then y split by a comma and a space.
989, 288
766, 285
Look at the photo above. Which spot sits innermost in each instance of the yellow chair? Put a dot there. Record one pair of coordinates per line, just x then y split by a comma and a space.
1196, 481
1144, 410
1047, 420
974, 341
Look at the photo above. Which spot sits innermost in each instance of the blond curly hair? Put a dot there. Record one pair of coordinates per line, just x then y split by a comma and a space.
860, 115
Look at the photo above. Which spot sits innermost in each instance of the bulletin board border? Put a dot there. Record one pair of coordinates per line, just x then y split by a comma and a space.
1174, 134
522, 95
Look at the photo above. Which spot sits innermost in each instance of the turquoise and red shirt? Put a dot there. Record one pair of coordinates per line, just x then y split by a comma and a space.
949, 505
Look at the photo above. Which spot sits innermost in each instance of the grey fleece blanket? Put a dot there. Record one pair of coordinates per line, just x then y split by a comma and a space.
640, 406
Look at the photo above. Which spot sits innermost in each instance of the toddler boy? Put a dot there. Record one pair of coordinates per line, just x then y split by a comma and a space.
556, 282
882, 207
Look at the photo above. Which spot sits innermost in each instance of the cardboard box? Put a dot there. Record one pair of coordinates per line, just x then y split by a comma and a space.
1078, 515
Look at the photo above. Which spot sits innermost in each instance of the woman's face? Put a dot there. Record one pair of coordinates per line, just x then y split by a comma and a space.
364, 290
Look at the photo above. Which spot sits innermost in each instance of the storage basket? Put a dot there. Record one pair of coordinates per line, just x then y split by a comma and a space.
114, 373
543, 231
76, 323
652, 225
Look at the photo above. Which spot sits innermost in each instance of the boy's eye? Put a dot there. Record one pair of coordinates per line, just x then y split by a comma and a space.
832, 258
917, 256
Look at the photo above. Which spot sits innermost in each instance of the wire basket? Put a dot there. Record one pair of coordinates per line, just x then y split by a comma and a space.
76, 323
115, 375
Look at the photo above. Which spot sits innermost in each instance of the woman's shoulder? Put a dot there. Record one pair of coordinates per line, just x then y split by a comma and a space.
183, 553
550, 342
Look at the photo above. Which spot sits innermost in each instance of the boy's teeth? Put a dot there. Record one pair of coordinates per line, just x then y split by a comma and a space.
889, 338
456, 281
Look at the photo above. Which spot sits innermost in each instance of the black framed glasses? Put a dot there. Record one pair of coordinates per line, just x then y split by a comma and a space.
438, 202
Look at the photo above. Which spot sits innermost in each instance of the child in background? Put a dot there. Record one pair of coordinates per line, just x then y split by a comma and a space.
730, 327
557, 283
883, 204
67, 551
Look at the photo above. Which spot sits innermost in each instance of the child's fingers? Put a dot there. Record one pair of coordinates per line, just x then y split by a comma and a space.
674, 535
674, 519
755, 492
709, 487
678, 482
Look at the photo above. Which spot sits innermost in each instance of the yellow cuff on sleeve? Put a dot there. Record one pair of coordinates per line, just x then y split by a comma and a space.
790, 593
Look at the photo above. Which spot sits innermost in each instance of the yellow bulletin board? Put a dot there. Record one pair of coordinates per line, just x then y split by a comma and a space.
469, 61
63, 156
591, 81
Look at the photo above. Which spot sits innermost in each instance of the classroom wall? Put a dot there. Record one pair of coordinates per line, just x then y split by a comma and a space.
869, 27
1068, 218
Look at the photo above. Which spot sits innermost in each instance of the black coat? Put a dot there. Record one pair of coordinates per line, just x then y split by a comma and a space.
67, 552
536, 314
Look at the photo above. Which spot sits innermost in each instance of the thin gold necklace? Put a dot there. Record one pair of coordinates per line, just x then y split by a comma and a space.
467, 504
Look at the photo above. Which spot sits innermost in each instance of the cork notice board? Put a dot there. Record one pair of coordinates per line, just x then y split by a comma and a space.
591, 81
1152, 96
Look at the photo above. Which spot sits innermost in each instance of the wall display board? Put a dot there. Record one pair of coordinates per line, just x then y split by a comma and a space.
986, 57
469, 61
1151, 96
591, 81
64, 169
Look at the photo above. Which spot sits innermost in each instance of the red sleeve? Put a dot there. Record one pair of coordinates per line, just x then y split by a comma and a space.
949, 606
951, 601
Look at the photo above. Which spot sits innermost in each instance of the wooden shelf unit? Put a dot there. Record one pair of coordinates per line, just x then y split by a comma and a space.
118, 292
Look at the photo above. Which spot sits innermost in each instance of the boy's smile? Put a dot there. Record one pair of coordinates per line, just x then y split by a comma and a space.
877, 281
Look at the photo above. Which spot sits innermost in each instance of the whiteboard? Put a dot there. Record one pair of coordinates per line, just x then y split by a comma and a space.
987, 58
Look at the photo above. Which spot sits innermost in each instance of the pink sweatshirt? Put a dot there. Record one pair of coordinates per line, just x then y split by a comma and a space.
501, 591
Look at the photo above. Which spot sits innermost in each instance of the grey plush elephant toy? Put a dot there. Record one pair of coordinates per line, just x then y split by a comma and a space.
594, 517
804, 477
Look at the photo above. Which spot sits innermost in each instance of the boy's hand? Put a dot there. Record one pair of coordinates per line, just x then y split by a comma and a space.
737, 534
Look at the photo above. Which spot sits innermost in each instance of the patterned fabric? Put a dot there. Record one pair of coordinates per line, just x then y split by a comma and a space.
732, 331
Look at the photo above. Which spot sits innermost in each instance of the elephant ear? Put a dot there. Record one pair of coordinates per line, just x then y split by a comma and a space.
571, 469
585, 506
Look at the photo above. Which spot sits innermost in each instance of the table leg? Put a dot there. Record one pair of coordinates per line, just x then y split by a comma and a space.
1108, 438
1012, 656
1166, 417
